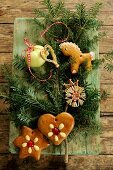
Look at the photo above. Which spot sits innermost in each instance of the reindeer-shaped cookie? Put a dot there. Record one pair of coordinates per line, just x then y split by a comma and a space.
76, 56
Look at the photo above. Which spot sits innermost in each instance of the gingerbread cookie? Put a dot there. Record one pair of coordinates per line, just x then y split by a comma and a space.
76, 56
31, 142
56, 128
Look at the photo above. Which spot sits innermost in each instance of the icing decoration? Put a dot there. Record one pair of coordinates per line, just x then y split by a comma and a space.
31, 142
74, 94
56, 128
56, 131
76, 56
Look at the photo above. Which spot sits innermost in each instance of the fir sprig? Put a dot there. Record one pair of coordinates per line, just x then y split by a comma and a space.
29, 98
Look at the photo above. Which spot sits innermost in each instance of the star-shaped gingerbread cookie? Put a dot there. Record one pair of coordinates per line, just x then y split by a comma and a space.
31, 142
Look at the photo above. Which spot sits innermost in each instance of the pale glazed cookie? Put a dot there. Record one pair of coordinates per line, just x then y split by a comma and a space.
56, 128
31, 142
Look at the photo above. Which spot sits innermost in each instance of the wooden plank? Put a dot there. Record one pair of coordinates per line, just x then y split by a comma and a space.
105, 76
106, 105
105, 43
106, 146
106, 17
101, 162
6, 38
12, 9
3, 161
107, 4
107, 127
106, 134
8, 13
5, 58
93, 141
4, 133
3, 107
27, 27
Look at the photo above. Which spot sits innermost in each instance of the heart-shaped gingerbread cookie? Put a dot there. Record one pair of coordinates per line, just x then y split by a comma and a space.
56, 128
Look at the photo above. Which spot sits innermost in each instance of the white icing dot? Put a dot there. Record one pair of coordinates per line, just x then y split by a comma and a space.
56, 138
27, 138
36, 147
35, 140
24, 145
29, 150
61, 126
92, 55
51, 126
62, 134
50, 134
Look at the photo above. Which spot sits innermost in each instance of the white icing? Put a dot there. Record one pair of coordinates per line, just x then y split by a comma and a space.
29, 150
62, 134
35, 140
27, 138
36, 147
61, 126
69, 44
56, 138
51, 126
24, 145
50, 134
92, 55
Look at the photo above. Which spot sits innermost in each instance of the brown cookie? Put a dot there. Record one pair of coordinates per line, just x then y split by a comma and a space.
31, 142
56, 128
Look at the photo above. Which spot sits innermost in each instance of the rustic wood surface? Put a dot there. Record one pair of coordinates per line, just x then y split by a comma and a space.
9, 10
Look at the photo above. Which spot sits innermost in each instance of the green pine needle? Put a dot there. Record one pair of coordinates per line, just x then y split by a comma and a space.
29, 98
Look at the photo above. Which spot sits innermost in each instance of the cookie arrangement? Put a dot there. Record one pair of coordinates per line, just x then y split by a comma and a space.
55, 128
54, 87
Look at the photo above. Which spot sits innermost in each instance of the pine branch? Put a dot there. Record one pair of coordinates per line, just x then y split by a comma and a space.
94, 11
30, 98
49, 7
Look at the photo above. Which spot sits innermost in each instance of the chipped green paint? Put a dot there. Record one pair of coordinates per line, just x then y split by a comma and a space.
82, 144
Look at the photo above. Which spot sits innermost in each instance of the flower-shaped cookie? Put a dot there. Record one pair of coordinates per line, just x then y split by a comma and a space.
31, 142
56, 128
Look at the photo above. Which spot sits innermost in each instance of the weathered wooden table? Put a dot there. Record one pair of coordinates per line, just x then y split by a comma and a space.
24, 8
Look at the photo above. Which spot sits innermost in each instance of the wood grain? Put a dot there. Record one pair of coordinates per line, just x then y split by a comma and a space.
6, 38
12, 9
105, 76
102, 162
4, 133
106, 107
106, 134
9, 10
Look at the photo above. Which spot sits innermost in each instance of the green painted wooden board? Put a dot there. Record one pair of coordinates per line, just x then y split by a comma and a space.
24, 27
